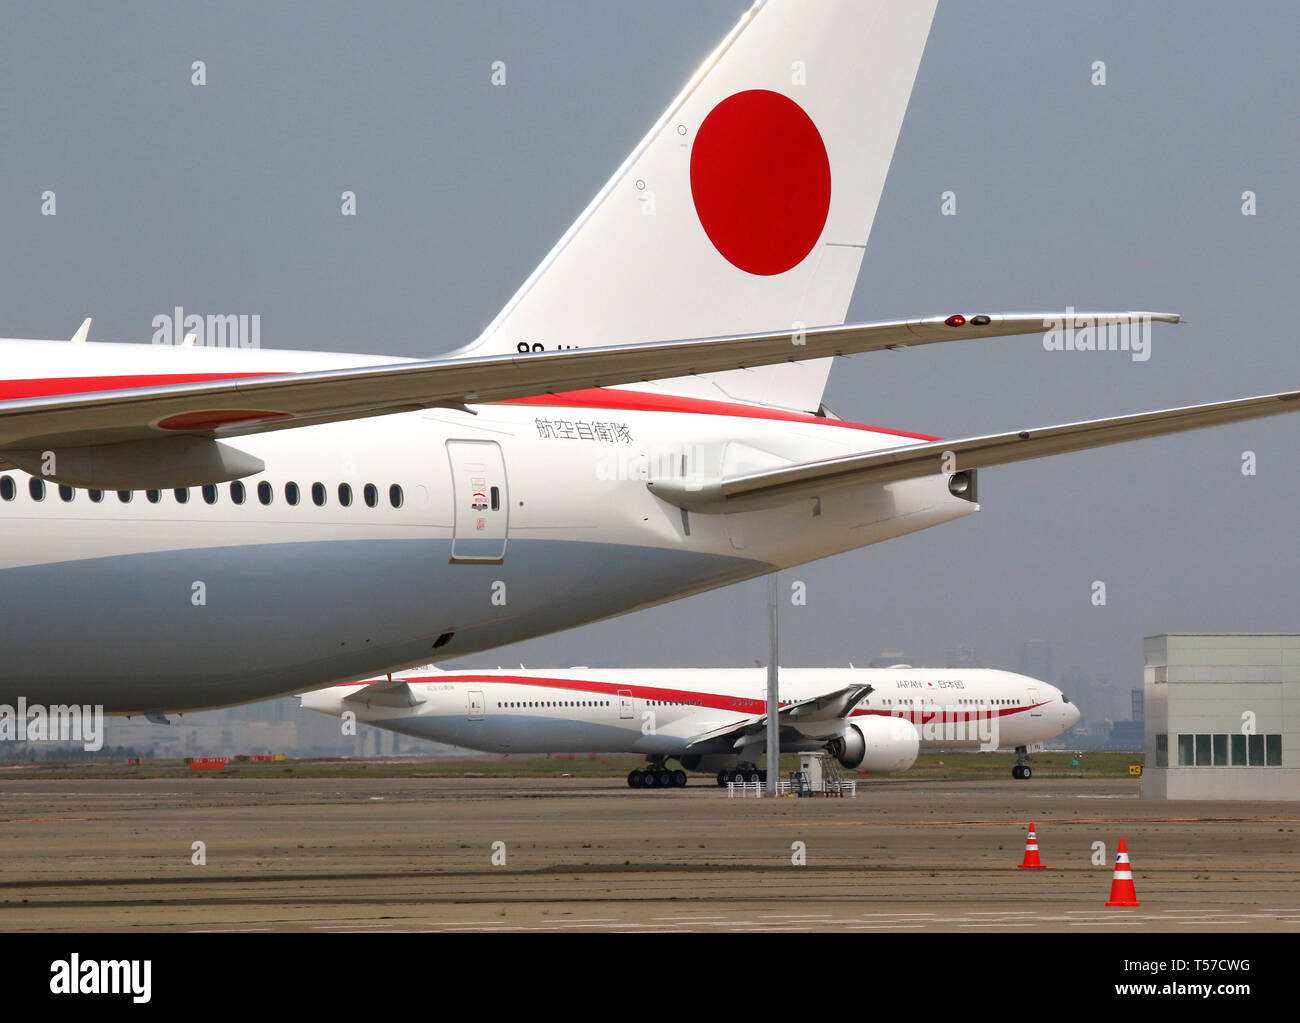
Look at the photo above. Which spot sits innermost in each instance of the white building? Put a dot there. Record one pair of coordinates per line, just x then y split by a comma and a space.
1222, 716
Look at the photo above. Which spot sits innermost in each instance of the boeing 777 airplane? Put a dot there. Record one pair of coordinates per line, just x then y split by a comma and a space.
714, 719
185, 527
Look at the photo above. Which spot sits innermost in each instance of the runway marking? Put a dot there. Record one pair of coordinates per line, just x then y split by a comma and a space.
1095, 912
1208, 923
999, 912
898, 914
883, 927
607, 922
1135, 921
796, 916
47, 820
1040, 821
991, 923
1066, 919
594, 919
464, 923
687, 919
230, 930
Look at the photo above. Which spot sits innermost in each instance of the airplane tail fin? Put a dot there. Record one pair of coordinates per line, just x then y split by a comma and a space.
746, 208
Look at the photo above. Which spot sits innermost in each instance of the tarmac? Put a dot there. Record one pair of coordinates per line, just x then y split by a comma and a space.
570, 854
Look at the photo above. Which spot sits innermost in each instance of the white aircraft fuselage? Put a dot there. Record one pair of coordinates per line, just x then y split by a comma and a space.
697, 715
143, 605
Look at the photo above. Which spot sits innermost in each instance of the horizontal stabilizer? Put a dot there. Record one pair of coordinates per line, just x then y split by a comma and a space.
388, 693
949, 456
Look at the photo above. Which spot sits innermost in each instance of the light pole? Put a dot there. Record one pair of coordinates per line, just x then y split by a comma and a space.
773, 692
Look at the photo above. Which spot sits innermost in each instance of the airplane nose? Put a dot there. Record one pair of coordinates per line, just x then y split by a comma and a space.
1072, 715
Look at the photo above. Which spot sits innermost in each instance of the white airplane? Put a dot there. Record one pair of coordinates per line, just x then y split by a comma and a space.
713, 719
185, 527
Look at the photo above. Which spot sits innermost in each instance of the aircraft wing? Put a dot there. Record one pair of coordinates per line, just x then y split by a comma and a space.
830, 707
948, 456
231, 408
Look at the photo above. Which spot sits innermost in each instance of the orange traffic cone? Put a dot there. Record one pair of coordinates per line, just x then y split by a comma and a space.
1032, 862
1122, 892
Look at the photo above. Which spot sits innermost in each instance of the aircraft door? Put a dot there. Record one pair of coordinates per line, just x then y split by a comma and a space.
482, 508
625, 703
1036, 712
476, 705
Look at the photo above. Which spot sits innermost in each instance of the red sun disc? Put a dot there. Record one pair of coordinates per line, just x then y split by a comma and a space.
761, 181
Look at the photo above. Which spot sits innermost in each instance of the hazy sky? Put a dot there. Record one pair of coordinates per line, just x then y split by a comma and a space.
1129, 195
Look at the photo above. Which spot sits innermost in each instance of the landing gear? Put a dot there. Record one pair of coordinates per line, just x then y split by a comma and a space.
656, 776
739, 775
1022, 771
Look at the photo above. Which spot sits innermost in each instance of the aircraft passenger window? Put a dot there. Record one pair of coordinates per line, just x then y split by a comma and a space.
395, 496
291, 493
345, 495
372, 495
264, 492
496, 498
95, 495
182, 494
7, 488
66, 492
154, 496
36, 488
318, 494
125, 496
237, 493
210, 494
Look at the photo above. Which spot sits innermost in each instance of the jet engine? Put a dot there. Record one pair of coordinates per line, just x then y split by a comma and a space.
709, 762
877, 744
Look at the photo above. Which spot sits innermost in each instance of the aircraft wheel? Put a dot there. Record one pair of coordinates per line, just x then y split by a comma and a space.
1026, 773
679, 779
722, 779
662, 779
754, 776
634, 780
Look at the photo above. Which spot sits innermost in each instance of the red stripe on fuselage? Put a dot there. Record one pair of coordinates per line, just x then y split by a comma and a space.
715, 701
596, 397
641, 401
